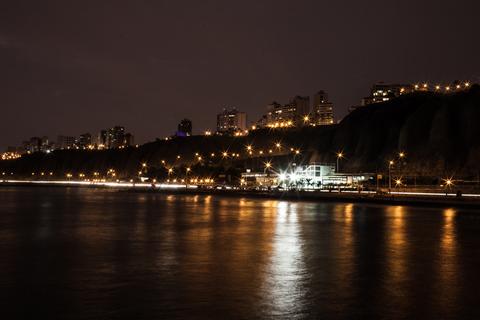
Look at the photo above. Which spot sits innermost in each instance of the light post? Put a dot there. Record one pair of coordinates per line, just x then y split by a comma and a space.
390, 164
448, 185
187, 170
340, 155
268, 165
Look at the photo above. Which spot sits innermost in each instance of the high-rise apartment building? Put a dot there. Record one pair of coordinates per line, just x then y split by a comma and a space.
230, 121
85, 140
65, 142
322, 112
116, 137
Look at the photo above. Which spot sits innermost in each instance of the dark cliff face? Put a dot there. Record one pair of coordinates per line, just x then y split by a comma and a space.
440, 134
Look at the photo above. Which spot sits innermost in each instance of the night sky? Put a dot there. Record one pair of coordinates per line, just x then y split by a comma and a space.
69, 67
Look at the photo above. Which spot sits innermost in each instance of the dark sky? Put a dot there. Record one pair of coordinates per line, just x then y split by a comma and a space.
69, 67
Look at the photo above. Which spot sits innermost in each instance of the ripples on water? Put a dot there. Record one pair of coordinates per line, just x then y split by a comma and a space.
89, 254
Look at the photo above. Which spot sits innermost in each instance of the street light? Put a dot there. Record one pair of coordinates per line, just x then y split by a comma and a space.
448, 185
398, 182
187, 170
340, 155
268, 165
390, 164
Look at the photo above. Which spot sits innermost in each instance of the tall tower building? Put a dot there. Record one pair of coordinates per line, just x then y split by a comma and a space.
231, 121
302, 105
322, 113
116, 136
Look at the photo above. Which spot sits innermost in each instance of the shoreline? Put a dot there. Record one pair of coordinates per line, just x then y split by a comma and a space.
396, 198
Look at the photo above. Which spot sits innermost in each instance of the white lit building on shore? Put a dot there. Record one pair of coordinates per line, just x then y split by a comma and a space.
314, 176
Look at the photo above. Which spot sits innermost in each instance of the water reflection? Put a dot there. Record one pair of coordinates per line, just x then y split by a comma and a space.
396, 271
447, 264
114, 255
286, 274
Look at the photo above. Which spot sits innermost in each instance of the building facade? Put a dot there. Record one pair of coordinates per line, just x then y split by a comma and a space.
65, 142
116, 137
289, 114
231, 121
85, 140
322, 111
184, 128
382, 92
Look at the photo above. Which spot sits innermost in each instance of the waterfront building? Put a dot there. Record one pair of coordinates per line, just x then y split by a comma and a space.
231, 121
311, 176
258, 180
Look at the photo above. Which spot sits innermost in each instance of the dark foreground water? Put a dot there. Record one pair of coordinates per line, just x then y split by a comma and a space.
103, 254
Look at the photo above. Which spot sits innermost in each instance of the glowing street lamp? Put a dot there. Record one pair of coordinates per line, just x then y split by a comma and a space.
187, 170
268, 165
398, 182
448, 184
390, 164
340, 155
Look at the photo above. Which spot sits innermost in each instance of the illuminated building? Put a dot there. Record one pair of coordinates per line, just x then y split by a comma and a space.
322, 113
382, 92
84, 140
279, 116
116, 137
311, 176
102, 139
65, 142
184, 128
231, 121
128, 140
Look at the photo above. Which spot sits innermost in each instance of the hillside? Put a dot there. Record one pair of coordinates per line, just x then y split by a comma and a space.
439, 134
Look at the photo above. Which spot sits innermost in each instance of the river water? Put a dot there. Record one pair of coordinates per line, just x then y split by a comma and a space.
78, 253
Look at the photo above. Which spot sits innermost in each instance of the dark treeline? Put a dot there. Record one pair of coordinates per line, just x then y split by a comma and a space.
438, 133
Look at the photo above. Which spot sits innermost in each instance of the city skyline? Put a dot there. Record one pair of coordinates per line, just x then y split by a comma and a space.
67, 76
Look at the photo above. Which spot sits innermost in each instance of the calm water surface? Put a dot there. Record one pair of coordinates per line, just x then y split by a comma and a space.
103, 254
